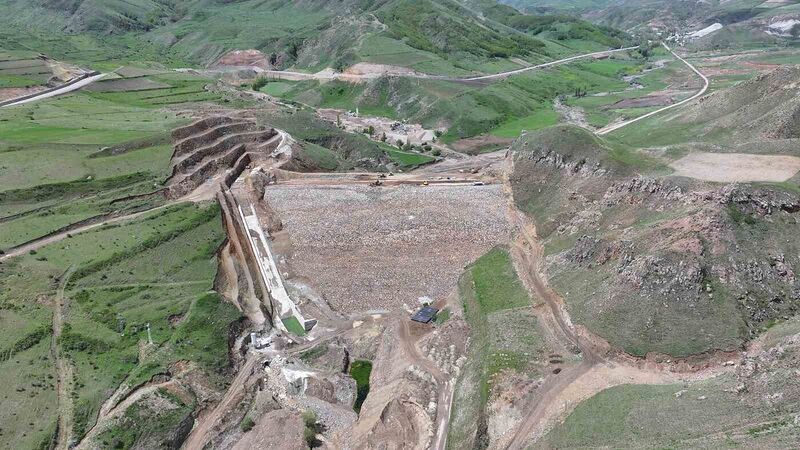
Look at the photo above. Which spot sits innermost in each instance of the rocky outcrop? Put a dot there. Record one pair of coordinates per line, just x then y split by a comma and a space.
655, 264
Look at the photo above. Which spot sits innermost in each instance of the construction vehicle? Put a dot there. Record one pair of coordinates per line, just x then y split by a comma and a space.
425, 183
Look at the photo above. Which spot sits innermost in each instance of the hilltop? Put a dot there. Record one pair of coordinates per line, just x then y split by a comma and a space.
736, 24
311, 34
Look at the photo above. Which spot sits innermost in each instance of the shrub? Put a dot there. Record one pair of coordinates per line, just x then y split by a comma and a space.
259, 83
247, 424
310, 419
310, 435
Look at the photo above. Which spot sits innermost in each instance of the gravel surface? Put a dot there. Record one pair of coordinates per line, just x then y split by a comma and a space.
368, 248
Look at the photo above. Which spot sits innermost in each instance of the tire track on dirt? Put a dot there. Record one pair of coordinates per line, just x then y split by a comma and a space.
444, 382
198, 438
63, 366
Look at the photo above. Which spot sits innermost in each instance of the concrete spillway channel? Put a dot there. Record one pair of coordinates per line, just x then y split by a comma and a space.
251, 243
268, 269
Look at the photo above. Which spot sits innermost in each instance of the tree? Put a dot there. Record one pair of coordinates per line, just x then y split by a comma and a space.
399, 143
310, 435
644, 49
383, 137
310, 419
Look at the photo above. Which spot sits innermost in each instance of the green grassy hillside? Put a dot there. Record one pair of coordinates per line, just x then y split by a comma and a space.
728, 411
310, 34
503, 108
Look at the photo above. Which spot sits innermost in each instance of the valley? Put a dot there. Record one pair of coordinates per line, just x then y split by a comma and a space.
224, 225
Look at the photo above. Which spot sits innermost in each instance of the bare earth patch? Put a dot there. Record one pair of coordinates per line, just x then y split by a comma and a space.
643, 102
477, 144
370, 248
9, 93
737, 167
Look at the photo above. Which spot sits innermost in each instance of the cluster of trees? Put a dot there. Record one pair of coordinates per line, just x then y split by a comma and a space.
424, 147
407, 146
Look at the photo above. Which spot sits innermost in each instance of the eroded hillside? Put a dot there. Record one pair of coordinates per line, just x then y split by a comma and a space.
652, 263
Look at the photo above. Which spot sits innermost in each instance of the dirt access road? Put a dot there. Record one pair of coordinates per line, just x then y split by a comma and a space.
601, 367
553, 386
329, 75
63, 366
444, 384
199, 436
617, 126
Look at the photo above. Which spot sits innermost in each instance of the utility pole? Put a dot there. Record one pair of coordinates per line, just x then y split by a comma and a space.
149, 336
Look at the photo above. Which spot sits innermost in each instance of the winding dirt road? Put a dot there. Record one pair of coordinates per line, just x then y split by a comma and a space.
617, 126
328, 75
530, 258
601, 367
199, 436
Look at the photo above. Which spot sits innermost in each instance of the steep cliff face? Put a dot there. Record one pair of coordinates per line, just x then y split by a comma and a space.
653, 263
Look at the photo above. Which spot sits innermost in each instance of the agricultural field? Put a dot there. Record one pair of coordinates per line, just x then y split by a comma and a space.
22, 69
113, 291
68, 159
408, 159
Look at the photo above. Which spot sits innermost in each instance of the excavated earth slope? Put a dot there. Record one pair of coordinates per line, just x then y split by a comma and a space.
216, 147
